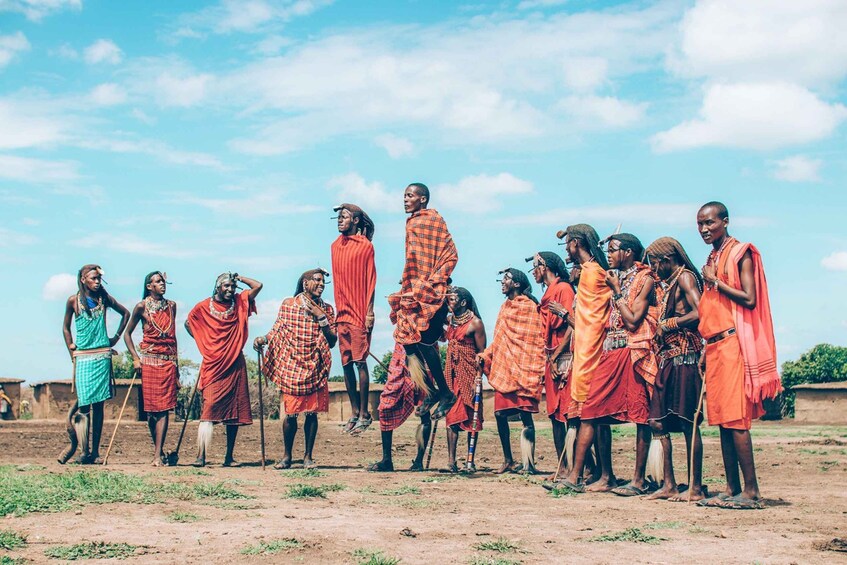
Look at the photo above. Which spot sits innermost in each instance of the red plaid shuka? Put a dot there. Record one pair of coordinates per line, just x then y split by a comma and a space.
460, 369
514, 362
399, 395
430, 258
298, 357
640, 342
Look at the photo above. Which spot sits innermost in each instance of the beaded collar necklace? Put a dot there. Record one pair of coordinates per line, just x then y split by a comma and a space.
461, 319
217, 313
715, 258
153, 306
663, 307
94, 311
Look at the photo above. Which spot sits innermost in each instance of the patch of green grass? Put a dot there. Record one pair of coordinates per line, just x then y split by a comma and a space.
91, 550
218, 491
373, 557
500, 545
233, 505
400, 491
634, 535
192, 472
300, 490
11, 540
559, 492
303, 473
493, 561
444, 477
7, 560
663, 525
183, 517
272, 547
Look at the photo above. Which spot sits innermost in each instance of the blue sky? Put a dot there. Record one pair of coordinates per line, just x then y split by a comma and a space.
196, 138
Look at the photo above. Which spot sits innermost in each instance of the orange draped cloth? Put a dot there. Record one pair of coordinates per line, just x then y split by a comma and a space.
514, 361
430, 258
557, 396
353, 278
592, 314
740, 368
223, 373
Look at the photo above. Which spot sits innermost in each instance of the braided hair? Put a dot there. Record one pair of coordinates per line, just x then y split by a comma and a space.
464, 294
308, 274
590, 241
670, 247
82, 290
524, 286
629, 241
555, 264
366, 225
146, 292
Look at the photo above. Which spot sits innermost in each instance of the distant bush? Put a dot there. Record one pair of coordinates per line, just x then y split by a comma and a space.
824, 363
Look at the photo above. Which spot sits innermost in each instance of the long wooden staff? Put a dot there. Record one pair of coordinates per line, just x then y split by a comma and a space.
261, 410
431, 444
477, 401
120, 415
375, 358
173, 456
694, 429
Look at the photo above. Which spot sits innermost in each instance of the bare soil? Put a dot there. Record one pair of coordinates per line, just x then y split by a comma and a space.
435, 517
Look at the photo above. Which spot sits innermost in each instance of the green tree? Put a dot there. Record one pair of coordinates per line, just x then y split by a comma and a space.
821, 364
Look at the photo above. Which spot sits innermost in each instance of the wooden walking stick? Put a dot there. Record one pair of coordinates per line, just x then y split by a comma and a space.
173, 456
477, 401
431, 444
381, 364
120, 415
694, 429
261, 410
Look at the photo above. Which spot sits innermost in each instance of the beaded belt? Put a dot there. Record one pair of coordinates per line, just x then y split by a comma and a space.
720, 336
615, 339
159, 356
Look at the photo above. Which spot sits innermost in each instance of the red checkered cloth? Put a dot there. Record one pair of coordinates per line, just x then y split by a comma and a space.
399, 395
640, 342
159, 371
460, 369
430, 258
298, 357
514, 362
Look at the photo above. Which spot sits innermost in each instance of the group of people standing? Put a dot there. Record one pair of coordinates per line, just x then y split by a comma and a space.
628, 335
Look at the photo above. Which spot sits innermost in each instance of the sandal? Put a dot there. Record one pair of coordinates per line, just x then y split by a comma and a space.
282, 464
351, 423
739, 502
630, 490
563, 484
714, 501
381, 467
361, 425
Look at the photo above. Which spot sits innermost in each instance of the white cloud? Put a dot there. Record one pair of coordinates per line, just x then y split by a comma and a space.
754, 116
59, 287
243, 16
108, 94
533, 4
182, 91
479, 194
154, 148
491, 80
22, 125
11, 45
261, 203
395, 146
141, 116
585, 73
798, 168
592, 111
28, 170
129, 243
35, 10
370, 196
836, 261
103, 51
764, 40
65, 51
9, 238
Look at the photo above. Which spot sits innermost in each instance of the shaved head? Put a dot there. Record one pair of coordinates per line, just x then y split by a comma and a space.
719, 207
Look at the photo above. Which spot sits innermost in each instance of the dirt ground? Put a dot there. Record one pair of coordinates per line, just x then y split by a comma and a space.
433, 517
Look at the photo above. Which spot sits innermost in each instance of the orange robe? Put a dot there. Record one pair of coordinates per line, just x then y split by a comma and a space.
740, 368
223, 373
592, 313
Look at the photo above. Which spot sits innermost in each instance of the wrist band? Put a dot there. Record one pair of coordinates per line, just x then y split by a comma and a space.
616, 297
323, 322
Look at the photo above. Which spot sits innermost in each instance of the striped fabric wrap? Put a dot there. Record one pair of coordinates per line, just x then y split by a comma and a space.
354, 278
298, 358
93, 371
430, 259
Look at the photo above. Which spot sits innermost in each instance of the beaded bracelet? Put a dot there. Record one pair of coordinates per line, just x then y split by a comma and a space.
323, 322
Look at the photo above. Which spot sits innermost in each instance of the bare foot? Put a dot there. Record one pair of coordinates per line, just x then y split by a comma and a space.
696, 495
284, 463
381, 467
507, 467
157, 462
308, 463
664, 493
602, 485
